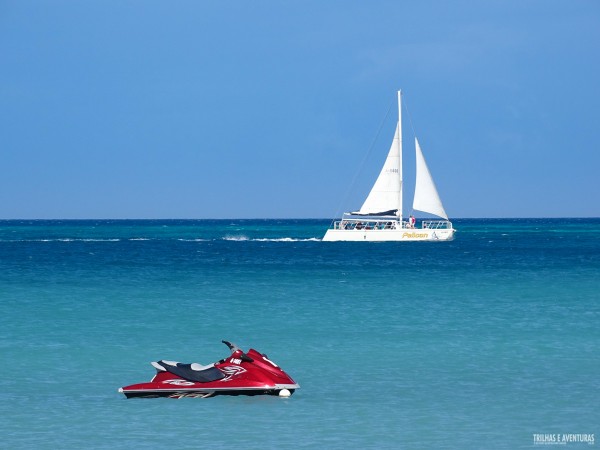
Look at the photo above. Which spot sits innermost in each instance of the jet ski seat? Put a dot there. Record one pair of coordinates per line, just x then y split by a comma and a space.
192, 372
198, 367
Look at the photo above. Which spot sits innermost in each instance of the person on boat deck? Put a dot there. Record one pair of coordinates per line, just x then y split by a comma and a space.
412, 221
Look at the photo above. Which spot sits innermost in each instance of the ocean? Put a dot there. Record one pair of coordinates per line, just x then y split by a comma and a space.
489, 341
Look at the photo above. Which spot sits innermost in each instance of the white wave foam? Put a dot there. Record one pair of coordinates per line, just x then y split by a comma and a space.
69, 240
284, 239
235, 238
99, 240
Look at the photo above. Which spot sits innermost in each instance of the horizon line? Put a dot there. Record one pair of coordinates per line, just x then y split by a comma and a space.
287, 218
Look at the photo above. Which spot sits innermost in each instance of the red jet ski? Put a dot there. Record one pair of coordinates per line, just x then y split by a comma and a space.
241, 373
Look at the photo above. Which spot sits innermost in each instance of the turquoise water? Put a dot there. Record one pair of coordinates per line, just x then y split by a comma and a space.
476, 343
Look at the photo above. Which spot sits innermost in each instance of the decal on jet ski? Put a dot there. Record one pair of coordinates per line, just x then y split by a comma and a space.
231, 371
178, 382
191, 395
235, 361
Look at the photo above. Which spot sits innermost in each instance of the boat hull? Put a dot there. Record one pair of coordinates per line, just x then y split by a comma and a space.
405, 234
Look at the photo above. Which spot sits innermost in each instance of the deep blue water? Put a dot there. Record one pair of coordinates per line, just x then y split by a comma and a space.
476, 343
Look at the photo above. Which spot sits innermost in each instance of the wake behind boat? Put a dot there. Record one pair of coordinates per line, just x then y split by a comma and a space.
380, 217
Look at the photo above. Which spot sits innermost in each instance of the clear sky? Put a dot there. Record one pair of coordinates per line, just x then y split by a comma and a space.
266, 109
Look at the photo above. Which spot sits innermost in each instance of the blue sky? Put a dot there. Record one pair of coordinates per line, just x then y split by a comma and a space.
238, 109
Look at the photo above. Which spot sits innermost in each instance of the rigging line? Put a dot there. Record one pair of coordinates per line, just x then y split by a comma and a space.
351, 185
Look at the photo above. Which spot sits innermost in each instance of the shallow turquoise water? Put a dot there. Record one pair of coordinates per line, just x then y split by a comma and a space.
476, 343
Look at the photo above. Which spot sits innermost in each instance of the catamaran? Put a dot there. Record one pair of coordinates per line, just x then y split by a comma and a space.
380, 217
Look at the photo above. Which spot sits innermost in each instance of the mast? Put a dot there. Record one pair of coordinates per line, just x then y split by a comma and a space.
399, 140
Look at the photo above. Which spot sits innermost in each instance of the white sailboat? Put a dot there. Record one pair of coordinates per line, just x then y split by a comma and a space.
380, 217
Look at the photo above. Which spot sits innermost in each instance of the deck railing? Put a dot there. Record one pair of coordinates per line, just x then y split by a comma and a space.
364, 225
355, 224
436, 224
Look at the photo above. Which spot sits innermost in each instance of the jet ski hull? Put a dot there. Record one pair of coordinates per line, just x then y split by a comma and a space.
199, 393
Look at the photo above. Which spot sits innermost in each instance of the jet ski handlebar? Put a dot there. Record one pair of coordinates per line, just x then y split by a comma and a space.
231, 346
235, 348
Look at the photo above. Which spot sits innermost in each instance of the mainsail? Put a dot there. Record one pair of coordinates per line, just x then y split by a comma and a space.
386, 193
426, 195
